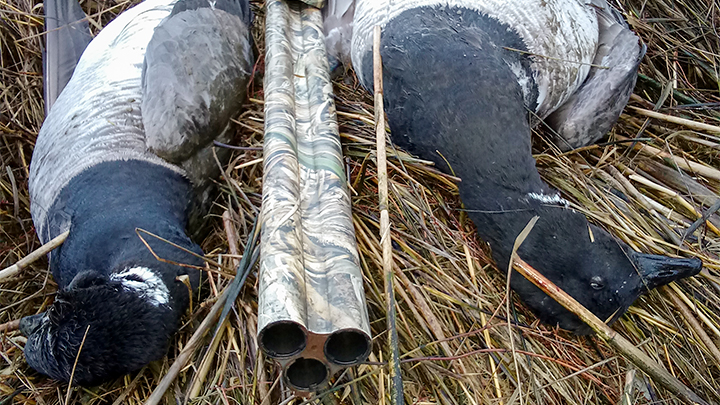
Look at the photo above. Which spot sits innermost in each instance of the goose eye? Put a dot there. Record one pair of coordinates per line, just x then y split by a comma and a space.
53, 314
597, 283
134, 277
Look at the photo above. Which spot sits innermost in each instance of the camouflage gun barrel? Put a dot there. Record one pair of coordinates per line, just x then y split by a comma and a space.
315, 3
312, 315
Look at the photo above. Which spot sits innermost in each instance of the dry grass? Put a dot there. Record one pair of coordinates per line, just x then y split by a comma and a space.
447, 291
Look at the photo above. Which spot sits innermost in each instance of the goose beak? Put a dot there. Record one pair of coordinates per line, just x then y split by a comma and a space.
657, 270
30, 324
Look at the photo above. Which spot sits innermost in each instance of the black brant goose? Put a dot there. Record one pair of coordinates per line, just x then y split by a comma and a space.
126, 145
462, 79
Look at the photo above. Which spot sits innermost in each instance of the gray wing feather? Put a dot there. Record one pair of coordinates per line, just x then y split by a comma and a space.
67, 36
194, 80
595, 107
338, 24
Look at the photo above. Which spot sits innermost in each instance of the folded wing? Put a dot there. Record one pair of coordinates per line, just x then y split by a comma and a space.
595, 107
194, 80
67, 35
338, 23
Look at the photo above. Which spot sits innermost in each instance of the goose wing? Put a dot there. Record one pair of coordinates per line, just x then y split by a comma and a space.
67, 35
596, 105
338, 23
194, 80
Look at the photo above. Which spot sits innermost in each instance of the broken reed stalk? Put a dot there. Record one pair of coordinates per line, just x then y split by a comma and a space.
612, 338
231, 235
682, 163
695, 125
196, 384
396, 383
10, 326
32, 257
187, 351
199, 378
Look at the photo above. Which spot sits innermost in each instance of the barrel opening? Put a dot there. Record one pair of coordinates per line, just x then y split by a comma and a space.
283, 339
347, 347
306, 374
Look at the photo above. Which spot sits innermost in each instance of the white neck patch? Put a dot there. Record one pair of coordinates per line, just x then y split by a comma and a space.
554, 199
143, 282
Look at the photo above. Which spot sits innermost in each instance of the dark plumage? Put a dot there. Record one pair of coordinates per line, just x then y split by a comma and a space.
94, 172
459, 82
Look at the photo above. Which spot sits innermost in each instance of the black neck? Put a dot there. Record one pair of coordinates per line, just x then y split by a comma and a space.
106, 203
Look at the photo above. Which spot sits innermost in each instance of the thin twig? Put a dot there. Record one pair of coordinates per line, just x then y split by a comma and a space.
34, 256
226, 146
175, 245
553, 58
703, 218
396, 388
72, 373
9, 326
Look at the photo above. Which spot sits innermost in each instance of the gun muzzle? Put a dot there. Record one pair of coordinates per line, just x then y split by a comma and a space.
312, 314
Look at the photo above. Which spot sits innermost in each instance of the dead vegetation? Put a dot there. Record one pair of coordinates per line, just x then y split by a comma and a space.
452, 323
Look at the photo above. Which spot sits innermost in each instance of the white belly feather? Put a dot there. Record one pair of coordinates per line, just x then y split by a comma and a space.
562, 35
97, 117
